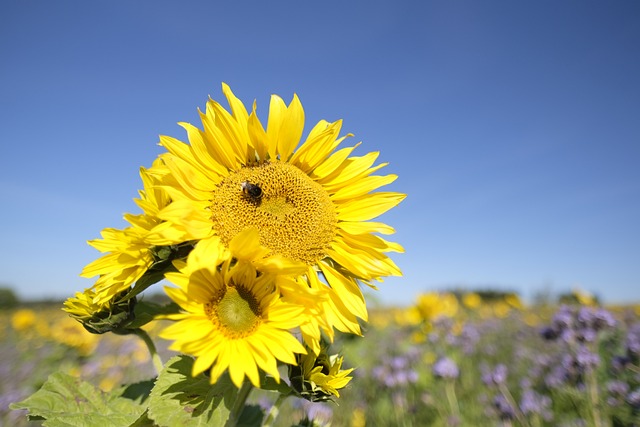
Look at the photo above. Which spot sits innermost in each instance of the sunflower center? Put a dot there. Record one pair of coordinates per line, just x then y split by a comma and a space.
237, 312
293, 214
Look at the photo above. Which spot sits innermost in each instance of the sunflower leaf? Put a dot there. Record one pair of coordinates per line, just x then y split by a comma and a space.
267, 382
178, 399
66, 401
252, 415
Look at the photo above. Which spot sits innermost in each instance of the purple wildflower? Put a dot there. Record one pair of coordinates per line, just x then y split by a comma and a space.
633, 398
580, 325
495, 377
619, 364
445, 368
617, 392
395, 371
469, 338
535, 403
318, 411
563, 319
586, 359
633, 342
398, 363
505, 410
556, 377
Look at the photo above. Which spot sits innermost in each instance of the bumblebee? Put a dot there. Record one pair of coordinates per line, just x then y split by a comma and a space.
253, 191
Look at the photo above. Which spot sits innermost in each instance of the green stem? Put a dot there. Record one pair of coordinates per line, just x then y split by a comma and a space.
451, 397
238, 405
274, 411
155, 357
512, 402
535, 422
594, 398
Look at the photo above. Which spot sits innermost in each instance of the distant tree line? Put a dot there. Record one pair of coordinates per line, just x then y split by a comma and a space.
8, 298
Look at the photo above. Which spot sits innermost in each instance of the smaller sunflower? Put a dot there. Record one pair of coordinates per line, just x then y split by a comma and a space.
318, 377
99, 318
130, 252
233, 316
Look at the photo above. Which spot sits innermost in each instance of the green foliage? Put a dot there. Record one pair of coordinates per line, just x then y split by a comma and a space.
65, 401
178, 399
175, 398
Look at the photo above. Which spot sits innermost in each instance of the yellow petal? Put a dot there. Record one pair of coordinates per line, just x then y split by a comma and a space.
361, 187
332, 163
237, 107
257, 135
246, 245
369, 207
347, 289
363, 227
320, 142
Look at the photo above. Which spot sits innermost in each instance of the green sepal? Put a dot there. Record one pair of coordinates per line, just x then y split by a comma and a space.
163, 263
146, 312
154, 274
66, 401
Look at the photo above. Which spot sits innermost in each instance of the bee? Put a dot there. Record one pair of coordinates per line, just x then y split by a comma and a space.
253, 191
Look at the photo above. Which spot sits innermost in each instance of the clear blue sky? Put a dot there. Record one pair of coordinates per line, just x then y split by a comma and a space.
514, 127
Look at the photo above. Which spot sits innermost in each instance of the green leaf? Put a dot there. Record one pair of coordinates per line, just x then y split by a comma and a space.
267, 382
65, 401
178, 399
144, 421
252, 415
138, 391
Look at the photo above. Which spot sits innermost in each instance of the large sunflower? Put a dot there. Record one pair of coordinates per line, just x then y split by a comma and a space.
312, 204
232, 316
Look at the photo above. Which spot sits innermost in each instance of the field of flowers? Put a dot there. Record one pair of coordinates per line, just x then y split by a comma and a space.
449, 360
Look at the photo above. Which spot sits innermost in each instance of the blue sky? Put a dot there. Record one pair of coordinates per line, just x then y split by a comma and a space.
514, 127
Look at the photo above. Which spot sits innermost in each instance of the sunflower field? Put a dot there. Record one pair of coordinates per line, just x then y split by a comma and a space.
448, 360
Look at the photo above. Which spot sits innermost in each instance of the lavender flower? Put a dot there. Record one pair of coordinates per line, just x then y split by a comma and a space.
395, 371
586, 359
633, 398
496, 377
445, 368
504, 409
617, 392
556, 377
619, 363
582, 325
633, 342
469, 338
533, 403
318, 411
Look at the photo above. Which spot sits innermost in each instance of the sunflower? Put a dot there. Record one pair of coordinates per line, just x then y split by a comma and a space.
318, 376
232, 316
83, 305
312, 204
131, 251
99, 318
